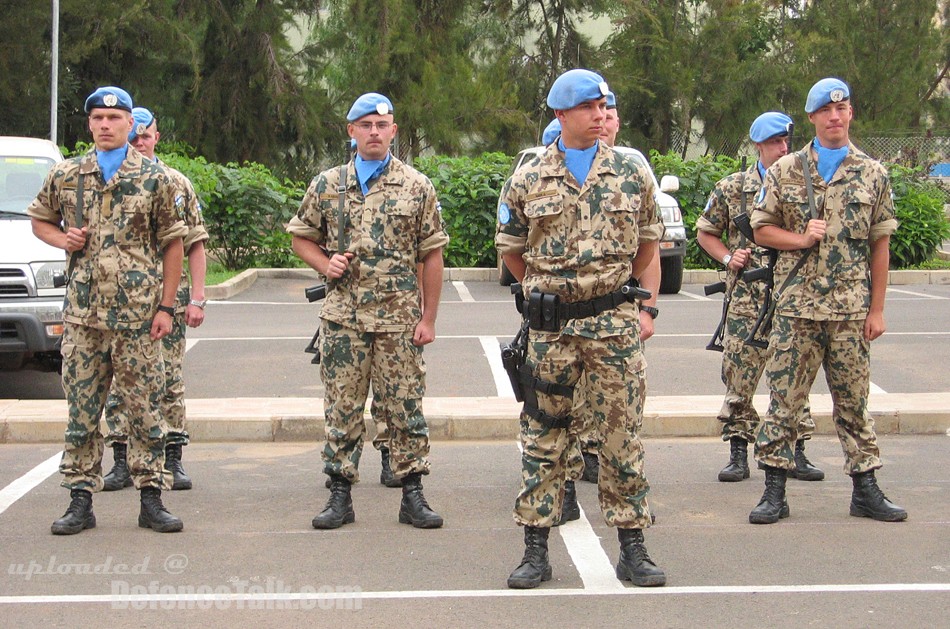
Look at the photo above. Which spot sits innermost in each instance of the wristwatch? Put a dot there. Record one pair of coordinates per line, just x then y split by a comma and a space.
198, 303
167, 310
726, 259
650, 310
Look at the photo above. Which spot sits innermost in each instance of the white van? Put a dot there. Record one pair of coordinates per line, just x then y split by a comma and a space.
32, 273
673, 245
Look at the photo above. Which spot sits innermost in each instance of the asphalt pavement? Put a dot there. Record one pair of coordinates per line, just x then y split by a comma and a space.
249, 557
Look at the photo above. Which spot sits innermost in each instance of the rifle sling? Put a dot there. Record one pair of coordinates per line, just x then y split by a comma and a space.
813, 211
79, 218
341, 218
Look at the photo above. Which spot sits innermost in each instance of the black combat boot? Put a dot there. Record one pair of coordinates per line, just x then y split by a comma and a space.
803, 469
868, 501
414, 509
118, 477
386, 476
773, 505
570, 510
78, 516
635, 563
180, 480
534, 567
339, 509
738, 467
153, 514
591, 467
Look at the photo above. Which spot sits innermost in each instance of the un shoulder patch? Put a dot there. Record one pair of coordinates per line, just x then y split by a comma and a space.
504, 213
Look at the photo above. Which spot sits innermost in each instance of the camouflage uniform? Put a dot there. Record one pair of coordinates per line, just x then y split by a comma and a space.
580, 244
742, 363
173, 344
370, 314
114, 290
819, 320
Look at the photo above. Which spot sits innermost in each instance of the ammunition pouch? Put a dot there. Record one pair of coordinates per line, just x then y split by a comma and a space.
546, 312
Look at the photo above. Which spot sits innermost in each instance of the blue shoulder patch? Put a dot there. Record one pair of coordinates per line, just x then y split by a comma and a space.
504, 213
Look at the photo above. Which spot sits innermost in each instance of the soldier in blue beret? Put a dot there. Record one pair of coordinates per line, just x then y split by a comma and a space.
583, 227
829, 304
189, 312
366, 226
551, 132
123, 276
743, 363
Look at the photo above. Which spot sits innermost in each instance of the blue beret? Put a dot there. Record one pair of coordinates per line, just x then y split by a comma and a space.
370, 103
551, 132
768, 125
109, 98
611, 100
826, 91
575, 87
142, 120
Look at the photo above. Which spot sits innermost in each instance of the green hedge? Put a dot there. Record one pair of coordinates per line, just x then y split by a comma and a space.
468, 189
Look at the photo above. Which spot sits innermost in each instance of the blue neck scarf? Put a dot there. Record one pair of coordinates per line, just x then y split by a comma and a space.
369, 169
109, 161
579, 161
761, 169
829, 159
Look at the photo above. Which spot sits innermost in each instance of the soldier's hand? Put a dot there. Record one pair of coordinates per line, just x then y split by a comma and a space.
874, 326
424, 334
646, 326
75, 239
740, 259
339, 263
815, 231
194, 316
161, 325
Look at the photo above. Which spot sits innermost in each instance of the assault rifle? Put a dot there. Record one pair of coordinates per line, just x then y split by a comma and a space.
513, 353
759, 334
315, 293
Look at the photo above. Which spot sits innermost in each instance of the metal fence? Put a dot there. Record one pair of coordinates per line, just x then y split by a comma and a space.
908, 150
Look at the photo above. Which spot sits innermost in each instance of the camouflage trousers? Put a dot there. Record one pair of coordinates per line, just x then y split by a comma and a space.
582, 435
799, 347
173, 395
742, 367
616, 376
349, 362
129, 361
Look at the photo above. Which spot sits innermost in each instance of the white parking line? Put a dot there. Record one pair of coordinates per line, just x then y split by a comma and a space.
462, 290
499, 375
588, 556
19, 488
188, 600
910, 292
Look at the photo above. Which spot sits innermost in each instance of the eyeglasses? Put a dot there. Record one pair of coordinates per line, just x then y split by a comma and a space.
383, 126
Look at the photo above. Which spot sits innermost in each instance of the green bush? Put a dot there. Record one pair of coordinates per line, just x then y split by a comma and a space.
697, 178
468, 189
923, 224
245, 209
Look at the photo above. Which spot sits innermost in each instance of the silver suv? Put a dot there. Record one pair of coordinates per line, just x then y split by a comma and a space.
673, 245
32, 274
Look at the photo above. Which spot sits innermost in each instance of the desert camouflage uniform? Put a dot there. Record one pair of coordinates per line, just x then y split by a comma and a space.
370, 314
173, 344
819, 320
580, 244
742, 363
114, 290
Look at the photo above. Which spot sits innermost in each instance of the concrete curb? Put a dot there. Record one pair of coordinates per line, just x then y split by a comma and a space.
301, 419
245, 279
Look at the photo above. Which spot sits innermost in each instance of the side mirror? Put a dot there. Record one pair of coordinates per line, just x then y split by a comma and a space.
669, 183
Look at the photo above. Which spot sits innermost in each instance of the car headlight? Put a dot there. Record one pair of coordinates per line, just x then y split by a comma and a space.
44, 272
671, 214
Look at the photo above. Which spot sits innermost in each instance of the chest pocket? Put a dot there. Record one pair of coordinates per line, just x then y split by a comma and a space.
547, 232
399, 228
856, 218
795, 208
131, 218
619, 214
